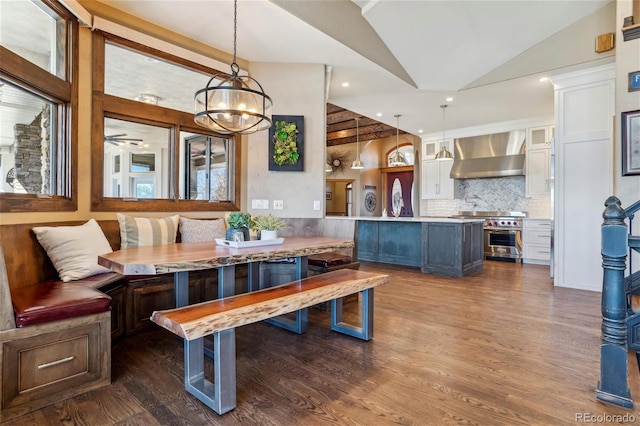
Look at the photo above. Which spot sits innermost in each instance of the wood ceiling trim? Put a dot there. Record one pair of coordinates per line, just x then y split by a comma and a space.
341, 127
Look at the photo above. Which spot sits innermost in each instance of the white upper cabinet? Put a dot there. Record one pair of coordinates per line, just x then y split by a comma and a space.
436, 182
431, 148
538, 162
540, 137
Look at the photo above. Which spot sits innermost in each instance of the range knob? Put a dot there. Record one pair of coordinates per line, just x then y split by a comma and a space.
502, 223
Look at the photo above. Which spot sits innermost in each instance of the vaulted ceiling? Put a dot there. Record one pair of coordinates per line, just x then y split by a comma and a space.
405, 57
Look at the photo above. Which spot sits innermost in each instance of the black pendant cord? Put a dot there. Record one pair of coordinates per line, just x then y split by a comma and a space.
234, 66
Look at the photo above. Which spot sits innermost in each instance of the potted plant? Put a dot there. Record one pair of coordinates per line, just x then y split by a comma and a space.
238, 221
267, 226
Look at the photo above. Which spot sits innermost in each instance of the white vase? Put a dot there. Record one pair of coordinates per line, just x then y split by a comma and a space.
268, 235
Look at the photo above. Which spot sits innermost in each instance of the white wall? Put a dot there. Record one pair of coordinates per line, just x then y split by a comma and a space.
296, 89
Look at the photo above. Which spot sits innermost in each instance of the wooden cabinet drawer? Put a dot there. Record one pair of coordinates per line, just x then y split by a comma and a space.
44, 364
47, 364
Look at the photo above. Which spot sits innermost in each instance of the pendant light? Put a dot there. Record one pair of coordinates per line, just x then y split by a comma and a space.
444, 153
237, 104
357, 164
397, 159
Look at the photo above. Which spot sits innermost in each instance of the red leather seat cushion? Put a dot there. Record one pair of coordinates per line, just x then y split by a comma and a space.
329, 260
56, 300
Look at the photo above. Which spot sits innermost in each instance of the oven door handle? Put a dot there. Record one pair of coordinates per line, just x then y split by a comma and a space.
502, 230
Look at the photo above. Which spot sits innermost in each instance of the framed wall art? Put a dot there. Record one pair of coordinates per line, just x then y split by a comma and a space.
631, 143
286, 143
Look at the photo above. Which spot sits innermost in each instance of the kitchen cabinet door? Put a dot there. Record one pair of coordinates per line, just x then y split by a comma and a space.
436, 182
431, 148
540, 137
538, 179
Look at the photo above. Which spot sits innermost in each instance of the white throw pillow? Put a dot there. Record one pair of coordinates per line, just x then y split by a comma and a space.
147, 231
198, 230
74, 250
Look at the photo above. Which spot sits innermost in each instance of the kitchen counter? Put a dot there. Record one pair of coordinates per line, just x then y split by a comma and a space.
439, 245
436, 219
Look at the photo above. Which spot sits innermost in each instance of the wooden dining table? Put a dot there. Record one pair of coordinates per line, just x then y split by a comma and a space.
181, 258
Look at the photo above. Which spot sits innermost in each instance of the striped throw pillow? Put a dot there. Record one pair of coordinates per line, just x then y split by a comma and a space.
147, 231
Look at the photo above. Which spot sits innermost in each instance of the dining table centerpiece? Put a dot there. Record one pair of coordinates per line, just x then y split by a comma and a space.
267, 226
238, 222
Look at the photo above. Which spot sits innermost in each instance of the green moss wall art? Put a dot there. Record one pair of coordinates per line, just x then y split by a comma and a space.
286, 143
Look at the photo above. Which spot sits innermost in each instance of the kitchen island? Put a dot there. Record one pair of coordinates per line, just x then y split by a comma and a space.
438, 245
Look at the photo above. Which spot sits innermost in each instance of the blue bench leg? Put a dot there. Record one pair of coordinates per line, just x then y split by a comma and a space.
220, 395
365, 332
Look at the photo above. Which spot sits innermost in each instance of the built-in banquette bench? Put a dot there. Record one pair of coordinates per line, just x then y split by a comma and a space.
55, 338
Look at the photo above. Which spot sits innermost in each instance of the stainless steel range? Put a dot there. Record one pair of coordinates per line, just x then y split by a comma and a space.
502, 234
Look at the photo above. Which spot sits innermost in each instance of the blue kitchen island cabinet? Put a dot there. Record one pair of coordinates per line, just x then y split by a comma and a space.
444, 246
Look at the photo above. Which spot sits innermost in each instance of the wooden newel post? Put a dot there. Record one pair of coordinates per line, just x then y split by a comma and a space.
613, 385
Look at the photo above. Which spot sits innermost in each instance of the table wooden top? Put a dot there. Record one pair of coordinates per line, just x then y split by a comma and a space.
151, 260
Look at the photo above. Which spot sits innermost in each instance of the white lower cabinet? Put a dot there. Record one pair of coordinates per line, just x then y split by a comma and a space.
536, 241
436, 182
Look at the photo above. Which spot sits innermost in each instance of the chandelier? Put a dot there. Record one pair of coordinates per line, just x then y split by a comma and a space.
237, 104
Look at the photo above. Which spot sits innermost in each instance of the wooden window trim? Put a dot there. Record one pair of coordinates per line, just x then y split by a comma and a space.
104, 105
16, 69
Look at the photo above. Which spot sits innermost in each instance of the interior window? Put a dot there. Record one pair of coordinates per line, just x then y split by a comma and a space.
28, 142
37, 142
406, 153
35, 32
142, 149
206, 166
153, 151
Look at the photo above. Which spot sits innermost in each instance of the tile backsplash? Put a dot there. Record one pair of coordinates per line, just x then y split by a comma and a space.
491, 194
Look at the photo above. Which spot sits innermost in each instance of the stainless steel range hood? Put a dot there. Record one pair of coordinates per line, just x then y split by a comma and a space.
494, 155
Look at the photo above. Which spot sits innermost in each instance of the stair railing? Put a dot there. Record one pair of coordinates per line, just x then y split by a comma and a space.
620, 325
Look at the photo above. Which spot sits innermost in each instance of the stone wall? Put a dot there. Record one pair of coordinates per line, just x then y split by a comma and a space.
32, 154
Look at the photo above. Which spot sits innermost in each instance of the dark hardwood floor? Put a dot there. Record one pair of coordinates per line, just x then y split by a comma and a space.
502, 347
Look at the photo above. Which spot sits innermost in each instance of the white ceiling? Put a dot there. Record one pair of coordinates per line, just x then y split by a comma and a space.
406, 57
400, 57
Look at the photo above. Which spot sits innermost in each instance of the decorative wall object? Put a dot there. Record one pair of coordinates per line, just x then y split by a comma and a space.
631, 143
286, 143
338, 160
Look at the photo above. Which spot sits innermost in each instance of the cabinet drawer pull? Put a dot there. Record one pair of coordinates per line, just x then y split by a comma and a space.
54, 363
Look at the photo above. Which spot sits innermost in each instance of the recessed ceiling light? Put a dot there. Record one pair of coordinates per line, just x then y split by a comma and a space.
345, 84
449, 99
543, 79
379, 114
420, 131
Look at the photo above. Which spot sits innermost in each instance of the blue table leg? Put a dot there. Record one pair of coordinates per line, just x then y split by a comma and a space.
226, 281
181, 290
253, 276
301, 321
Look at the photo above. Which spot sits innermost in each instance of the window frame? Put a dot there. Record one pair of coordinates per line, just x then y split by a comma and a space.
63, 92
105, 105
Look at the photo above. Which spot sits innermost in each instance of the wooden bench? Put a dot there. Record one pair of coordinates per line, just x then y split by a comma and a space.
220, 317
